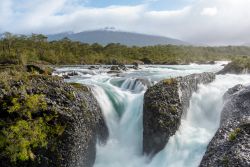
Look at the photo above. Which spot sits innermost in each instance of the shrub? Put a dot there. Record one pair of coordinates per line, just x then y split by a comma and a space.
26, 122
233, 134
169, 81
24, 136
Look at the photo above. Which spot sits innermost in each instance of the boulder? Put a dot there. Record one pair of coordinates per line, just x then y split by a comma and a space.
73, 73
114, 68
235, 67
230, 146
93, 67
122, 67
135, 66
164, 105
74, 111
117, 69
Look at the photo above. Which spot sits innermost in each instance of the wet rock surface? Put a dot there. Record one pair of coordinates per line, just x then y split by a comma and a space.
164, 105
115, 69
77, 109
230, 147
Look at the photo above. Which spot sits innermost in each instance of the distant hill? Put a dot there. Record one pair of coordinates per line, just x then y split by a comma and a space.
105, 37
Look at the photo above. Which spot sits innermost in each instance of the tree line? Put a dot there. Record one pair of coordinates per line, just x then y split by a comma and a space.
35, 48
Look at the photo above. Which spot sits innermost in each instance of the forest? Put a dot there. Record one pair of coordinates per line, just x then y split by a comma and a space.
35, 48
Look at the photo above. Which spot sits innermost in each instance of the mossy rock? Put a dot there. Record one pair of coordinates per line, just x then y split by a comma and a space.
57, 123
80, 87
164, 107
40, 69
237, 66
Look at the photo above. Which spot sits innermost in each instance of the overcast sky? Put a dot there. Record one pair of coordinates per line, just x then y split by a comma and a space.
214, 22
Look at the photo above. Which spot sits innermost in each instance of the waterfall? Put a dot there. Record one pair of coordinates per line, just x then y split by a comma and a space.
126, 130
185, 148
121, 101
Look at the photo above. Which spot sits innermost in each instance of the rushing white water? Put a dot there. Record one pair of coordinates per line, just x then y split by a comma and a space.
121, 101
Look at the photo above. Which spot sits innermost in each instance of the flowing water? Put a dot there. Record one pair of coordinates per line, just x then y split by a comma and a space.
121, 100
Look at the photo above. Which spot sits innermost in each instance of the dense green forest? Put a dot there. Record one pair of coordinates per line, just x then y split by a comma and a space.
36, 48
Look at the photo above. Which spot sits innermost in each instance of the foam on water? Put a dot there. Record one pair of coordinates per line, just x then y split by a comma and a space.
121, 101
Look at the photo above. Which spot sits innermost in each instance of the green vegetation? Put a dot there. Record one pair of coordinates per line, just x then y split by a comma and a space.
225, 161
170, 81
80, 87
240, 63
26, 123
36, 49
237, 66
24, 136
233, 134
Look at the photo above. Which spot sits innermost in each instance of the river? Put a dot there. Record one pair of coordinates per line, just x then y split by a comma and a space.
121, 100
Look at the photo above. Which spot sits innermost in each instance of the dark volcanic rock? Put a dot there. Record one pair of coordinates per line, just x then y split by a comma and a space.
122, 67
135, 66
93, 67
117, 68
114, 68
235, 68
230, 147
164, 104
77, 109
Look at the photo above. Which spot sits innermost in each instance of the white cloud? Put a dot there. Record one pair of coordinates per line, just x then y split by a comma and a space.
203, 21
168, 14
209, 11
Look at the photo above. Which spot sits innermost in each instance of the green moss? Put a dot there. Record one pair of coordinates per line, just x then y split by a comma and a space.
164, 123
80, 87
170, 81
28, 106
173, 109
39, 69
13, 75
28, 127
71, 96
23, 137
233, 135
225, 161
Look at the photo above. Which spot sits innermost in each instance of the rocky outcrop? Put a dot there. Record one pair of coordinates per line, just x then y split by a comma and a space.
117, 68
235, 68
135, 65
230, 147
164, 105
75, 109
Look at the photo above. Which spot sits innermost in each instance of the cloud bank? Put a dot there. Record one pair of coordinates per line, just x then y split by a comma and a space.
213, 22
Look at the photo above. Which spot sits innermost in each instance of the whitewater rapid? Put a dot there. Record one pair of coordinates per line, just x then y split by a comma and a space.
121, 100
